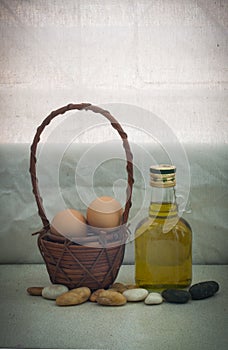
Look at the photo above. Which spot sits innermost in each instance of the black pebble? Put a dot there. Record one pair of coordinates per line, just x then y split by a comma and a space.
203, 290
176, 296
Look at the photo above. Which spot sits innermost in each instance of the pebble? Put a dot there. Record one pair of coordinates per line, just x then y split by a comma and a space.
136, 294
203, 290
35, 290
118, 287
95, 295
131, 286
111, 298
53, 291
75, 296
121, 287
153, 299
176, 296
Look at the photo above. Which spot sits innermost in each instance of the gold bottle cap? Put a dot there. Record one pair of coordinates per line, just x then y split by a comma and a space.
162, 175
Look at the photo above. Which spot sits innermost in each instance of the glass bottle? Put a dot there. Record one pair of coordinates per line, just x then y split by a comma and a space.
163, 240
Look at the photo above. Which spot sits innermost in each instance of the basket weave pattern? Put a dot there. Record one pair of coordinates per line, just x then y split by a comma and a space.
95, 260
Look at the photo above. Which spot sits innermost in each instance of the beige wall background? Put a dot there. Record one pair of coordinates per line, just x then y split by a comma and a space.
169, 57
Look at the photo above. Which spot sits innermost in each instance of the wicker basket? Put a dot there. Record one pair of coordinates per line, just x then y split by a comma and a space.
95, 260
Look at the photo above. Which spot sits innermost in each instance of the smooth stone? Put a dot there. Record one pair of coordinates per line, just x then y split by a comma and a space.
176, 296
136, 294
153, 299
118, 287
111, 298
53, 291
75, 296
93, 297
37, 291
131, 286
203, 290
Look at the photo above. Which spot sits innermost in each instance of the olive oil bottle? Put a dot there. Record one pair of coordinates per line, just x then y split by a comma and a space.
163, 240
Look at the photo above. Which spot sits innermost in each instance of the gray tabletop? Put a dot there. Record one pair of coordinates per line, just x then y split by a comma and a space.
33, 322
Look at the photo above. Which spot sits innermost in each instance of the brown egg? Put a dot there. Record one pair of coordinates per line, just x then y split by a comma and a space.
104, 212
69, 223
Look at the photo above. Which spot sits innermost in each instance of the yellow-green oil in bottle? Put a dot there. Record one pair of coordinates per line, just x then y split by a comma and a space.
163, 247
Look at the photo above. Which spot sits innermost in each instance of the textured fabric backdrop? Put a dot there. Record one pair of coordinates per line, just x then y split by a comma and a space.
207, 206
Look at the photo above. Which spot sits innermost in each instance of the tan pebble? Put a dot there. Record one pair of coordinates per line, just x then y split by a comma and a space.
118, 287
35, 290
111, 298
74, 297
131, 286
81, 291
95, 294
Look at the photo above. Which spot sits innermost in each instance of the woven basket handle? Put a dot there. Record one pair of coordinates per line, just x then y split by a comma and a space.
115, 125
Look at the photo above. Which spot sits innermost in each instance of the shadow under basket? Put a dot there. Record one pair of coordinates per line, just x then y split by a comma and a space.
94, 261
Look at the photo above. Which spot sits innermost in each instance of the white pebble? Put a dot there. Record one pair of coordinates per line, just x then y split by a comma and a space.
53, 291
153, 299
135, 294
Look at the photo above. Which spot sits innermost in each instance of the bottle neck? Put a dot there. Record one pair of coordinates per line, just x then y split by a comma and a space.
163, 203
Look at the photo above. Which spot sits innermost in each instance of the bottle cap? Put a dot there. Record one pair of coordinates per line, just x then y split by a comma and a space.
162, 175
